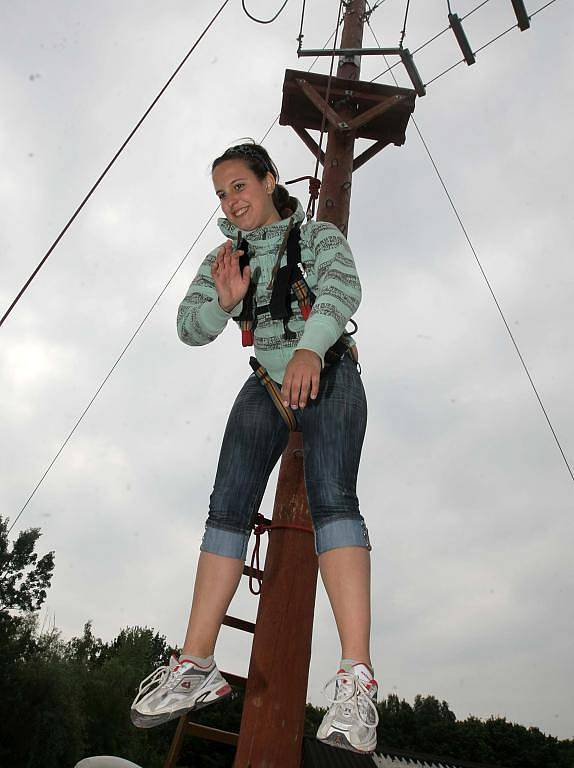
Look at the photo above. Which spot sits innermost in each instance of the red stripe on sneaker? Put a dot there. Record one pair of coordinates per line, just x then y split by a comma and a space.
195, 664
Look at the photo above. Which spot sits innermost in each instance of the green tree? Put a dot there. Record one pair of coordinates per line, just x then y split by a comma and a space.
24, 579
62, 701
397, 726
108, 676
37, 705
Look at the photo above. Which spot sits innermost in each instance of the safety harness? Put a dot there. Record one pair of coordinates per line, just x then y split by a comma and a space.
287, 285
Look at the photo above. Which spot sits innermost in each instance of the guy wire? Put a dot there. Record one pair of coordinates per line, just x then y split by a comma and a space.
475, 254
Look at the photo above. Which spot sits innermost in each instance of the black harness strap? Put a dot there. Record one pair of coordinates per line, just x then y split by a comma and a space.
288, 280
247, 320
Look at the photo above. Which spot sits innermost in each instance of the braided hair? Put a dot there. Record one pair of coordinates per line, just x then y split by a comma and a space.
258, 161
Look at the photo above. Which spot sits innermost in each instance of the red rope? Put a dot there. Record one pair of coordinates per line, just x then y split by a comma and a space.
264, 525
314, 188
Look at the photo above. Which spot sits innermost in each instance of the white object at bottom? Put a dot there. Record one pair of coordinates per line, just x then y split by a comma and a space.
105, 761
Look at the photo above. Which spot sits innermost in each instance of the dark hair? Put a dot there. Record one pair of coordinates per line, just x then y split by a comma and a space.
257, 160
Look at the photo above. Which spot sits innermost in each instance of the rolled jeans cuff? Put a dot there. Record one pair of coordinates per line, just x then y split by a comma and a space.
220, 541
344, 532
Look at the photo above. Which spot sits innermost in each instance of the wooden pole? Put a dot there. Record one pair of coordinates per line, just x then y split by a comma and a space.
335, 197
274, 710
271, 732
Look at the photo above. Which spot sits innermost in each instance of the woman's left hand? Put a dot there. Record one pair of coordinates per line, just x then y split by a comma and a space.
301, 378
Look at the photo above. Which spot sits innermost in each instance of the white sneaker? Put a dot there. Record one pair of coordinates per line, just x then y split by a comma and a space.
351, 721
171, 691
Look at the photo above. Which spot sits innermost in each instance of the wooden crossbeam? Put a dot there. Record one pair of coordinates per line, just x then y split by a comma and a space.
379, 109
371, 151
316, 98
310, 142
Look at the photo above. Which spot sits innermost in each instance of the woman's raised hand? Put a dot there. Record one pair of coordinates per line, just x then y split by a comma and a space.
230, 284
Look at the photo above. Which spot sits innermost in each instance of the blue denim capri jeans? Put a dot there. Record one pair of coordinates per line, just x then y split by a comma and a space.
333, 428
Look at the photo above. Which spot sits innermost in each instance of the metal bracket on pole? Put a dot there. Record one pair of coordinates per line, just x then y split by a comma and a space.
349, 52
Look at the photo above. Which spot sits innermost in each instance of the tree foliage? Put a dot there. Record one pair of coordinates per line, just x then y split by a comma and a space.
430, 727
64, 700
24, 579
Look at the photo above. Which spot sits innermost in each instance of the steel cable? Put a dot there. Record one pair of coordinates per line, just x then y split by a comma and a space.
110, 164
263, 21
475, 254
404, 29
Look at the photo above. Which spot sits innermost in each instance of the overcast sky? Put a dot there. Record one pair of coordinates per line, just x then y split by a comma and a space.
467, 498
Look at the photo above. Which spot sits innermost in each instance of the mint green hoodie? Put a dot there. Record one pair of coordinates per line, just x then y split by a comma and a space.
330, 274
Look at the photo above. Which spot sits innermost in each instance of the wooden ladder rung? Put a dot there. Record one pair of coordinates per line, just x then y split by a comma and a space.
212, 734
246, 626
186, 726
235, 680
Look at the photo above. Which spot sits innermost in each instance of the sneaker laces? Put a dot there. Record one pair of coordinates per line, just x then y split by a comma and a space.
350, 690
156, 679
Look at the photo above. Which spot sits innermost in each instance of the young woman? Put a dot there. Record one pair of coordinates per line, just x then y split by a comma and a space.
320, 388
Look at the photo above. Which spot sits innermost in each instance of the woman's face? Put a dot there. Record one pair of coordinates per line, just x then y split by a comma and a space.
245, 199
